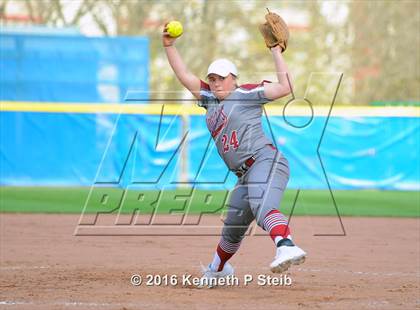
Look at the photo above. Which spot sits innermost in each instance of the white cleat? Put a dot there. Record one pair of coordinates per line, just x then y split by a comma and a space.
210, 277
287, 254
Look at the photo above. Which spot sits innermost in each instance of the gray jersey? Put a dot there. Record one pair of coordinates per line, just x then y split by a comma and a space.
235, 122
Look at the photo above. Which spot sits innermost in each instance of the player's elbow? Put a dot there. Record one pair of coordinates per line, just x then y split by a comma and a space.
278, 91
287, 90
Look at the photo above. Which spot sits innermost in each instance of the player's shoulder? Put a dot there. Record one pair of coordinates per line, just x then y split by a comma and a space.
205, 91
251, 87
204, 86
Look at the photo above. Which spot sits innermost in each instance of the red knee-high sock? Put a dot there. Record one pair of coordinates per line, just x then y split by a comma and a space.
224, 252
277, 225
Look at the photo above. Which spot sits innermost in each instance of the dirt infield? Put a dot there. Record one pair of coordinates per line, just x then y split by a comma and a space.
44, 266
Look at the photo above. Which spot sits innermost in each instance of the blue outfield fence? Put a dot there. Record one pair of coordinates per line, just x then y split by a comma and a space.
61, 145
72, 149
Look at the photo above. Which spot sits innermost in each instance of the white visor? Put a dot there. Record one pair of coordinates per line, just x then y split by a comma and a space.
222, 67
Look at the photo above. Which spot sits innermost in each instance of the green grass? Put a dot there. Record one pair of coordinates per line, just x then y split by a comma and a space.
310, 202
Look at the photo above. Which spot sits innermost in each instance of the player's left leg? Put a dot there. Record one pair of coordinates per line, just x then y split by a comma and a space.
267, 180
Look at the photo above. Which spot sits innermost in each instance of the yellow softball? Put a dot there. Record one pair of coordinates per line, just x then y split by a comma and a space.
174, 28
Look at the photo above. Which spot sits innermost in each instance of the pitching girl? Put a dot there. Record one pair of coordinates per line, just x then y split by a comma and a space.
233, 117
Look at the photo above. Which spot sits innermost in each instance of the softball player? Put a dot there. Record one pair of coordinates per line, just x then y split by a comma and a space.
233, 117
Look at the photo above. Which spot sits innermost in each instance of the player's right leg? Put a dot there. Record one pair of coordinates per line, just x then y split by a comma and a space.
239, 217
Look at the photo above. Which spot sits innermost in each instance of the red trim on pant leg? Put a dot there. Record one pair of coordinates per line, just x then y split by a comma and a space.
272, 212
280, 229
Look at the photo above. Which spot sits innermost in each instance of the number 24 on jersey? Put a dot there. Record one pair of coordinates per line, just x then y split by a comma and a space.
229, 142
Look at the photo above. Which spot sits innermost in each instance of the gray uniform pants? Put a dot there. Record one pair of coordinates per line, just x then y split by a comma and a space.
256, 193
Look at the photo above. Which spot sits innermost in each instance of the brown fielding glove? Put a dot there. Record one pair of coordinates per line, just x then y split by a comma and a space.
274, 31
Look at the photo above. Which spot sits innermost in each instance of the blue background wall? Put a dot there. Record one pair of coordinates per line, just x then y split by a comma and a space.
72, 68
68, 149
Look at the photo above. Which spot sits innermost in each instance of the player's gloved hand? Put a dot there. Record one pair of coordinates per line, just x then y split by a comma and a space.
167, 40
274, 31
